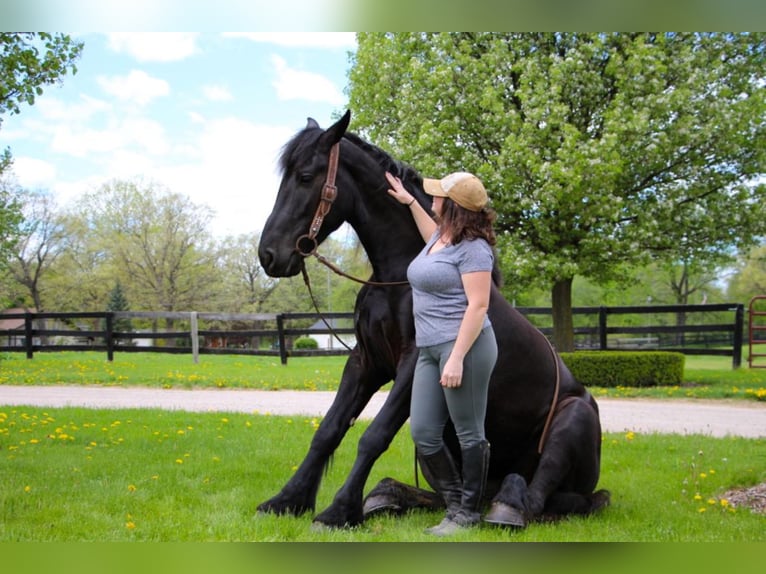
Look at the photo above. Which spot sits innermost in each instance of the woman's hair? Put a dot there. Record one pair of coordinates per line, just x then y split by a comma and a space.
462, 223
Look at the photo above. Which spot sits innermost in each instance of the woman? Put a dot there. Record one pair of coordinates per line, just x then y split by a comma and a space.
451, 280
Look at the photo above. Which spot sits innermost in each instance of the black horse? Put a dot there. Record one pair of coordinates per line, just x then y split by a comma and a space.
543, 425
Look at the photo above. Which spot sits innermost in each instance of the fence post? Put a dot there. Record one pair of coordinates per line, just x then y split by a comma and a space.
109, 336
194, 336
281, 337
28, 341
739, 327
602, 328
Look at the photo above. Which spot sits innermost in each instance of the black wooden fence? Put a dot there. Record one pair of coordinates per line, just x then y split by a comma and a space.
689, 329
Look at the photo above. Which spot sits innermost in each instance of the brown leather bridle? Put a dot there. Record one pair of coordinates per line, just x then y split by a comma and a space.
307, 244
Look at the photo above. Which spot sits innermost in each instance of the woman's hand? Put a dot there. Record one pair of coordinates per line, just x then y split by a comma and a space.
452, 375
397, 190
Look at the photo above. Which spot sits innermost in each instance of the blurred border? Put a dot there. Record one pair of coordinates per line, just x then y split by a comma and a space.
78, 16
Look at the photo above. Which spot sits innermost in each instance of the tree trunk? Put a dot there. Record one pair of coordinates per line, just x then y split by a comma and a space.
563, 327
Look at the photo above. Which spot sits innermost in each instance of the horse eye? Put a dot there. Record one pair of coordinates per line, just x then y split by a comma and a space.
306, 177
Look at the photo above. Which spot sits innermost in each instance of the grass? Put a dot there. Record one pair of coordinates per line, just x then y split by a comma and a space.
704, 377
76, 474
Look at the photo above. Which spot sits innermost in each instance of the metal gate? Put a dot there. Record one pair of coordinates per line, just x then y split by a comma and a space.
757, 330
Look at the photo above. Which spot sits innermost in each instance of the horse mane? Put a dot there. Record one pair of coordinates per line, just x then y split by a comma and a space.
305, 140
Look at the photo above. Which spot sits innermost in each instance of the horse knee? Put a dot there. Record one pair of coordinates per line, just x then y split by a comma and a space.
510, 506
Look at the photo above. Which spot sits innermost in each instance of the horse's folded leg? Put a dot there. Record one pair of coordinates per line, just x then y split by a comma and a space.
501, 514
397, 498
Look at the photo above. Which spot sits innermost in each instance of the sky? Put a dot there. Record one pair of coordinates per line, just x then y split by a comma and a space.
201, 114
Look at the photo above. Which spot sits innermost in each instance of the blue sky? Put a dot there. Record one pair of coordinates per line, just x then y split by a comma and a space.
204, 114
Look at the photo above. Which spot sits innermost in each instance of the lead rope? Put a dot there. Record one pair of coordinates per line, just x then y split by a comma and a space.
552, 410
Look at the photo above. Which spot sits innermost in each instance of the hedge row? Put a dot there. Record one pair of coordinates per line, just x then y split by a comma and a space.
626, 368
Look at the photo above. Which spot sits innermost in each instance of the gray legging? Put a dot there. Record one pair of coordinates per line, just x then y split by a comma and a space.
432, 405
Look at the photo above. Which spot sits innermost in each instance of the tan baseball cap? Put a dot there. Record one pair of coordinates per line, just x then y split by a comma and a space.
463, 188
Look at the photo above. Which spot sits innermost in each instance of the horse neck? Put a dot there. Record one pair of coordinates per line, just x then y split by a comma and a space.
385, 228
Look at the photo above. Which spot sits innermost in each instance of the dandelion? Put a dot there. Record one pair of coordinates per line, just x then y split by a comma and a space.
724, 503
27, 489
711, 501
630, 435
697, 497
130, 525
131, 488
179, 461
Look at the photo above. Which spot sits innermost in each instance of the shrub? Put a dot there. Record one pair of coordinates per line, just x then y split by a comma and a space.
306, 343
626, 368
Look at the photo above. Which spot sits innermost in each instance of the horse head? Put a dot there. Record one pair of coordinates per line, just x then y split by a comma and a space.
304, 165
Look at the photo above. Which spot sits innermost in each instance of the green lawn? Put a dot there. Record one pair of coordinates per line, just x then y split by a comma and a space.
144, 475
704, 377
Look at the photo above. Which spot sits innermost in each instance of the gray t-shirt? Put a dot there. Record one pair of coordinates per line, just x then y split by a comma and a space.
438, 297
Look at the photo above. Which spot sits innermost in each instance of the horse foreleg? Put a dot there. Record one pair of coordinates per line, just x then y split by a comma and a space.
567, 473
347, 506
299, 493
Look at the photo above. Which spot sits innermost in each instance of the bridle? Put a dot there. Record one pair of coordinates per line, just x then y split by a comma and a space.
306, 245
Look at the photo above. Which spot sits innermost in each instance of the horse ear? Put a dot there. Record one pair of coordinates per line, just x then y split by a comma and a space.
333, 134
311, 123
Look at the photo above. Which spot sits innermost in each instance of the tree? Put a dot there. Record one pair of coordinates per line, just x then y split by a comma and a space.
155, 241
749, 279
119, 302
37, 246
27, 63
11, 218
244, 285
600, 151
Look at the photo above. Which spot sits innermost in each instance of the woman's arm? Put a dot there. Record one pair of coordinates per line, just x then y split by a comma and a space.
424, 221
477, 287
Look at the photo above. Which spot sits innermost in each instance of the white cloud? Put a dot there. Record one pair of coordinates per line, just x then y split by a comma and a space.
137, 86
294, 84
154, 46
217, 93
234, 172
301, 39
34, 173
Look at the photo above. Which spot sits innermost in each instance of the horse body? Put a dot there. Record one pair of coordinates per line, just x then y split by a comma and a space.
529, 379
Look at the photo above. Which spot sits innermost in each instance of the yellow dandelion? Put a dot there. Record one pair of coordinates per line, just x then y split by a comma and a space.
697, 497
179, 461
130, 525
703, 475
711, 501
131, 488
27, 489
724, 502
701, 510
630, 435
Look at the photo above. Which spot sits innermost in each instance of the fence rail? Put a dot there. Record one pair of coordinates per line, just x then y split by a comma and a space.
690, 329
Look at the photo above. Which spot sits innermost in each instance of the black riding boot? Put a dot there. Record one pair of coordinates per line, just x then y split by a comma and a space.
475, 467
468, 512
441, 473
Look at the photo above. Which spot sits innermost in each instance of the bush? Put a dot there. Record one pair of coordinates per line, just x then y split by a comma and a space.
626, 368
306, 343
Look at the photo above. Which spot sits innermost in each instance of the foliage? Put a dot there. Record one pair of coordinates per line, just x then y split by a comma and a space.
28, 62
119, 302
626, 369
306, 343
749, 278
145, 475
599, 150
11, 218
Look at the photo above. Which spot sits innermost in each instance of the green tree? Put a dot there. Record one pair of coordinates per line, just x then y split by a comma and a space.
37, 246
119, 302
28, 62
154, 241
600, 151
749, 279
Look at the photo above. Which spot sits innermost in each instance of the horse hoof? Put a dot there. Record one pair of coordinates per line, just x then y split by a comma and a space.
502, 514
380, 504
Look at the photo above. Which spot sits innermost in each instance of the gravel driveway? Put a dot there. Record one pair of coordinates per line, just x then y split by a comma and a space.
713, 418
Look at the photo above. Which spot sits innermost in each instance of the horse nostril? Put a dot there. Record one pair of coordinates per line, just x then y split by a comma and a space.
267, 258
